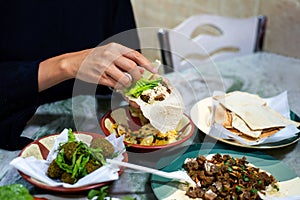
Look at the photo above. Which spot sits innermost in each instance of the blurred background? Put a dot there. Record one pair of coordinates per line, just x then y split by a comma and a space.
283, 25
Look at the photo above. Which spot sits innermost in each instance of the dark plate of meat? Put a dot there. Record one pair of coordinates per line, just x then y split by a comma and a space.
244, 170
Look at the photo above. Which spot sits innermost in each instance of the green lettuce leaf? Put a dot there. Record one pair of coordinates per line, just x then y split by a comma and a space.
142, 85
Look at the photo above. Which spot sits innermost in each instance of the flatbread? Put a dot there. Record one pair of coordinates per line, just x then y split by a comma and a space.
241, 126
223, 116
248, 116
48, 141
269, 132
239, 98
84, 138
32, 150
260, 117
164, 115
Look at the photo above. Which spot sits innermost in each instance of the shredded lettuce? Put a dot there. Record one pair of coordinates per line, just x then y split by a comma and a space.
71, 136
142, 85
81, 155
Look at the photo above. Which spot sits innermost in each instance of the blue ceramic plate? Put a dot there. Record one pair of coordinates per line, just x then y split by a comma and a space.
164, 188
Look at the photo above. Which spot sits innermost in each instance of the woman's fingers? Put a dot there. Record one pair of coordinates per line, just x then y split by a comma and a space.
107, 81
128, 66
112, 65
140, 60
121, 78
137, 57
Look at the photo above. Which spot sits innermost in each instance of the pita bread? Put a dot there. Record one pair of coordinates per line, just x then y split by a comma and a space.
269, 132
260, 117
239, 98
242, 135
241, 126
164, 115
32, 150
249, 116
48, 141
250, 135
120, 116
223, 116
84, 138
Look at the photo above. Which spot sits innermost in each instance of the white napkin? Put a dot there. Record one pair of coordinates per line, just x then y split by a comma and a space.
37, 168
278, 103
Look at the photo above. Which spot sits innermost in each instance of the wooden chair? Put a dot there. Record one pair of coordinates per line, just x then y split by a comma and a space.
184, 46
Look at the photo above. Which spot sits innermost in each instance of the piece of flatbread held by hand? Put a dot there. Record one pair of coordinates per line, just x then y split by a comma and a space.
248, 115
159, 101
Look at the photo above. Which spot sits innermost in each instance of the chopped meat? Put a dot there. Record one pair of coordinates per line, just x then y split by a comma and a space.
168, 90
145, 98
160, 97
225, 177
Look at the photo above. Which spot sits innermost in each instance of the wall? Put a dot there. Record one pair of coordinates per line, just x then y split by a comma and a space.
283, 27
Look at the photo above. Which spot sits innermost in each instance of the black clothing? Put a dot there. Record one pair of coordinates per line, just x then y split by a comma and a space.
32, 31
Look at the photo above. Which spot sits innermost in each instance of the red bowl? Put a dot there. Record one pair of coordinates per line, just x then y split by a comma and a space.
45, 151
186, 128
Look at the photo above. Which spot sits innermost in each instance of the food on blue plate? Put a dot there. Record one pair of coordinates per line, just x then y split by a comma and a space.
248, 115
226, 177
75, 159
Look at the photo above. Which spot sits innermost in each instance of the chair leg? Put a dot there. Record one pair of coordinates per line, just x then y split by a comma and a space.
262, 23
165, 49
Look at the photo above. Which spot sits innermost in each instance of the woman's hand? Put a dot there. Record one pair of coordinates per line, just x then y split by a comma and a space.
106, 65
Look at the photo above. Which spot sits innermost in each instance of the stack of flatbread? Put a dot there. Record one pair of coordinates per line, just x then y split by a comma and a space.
248, 115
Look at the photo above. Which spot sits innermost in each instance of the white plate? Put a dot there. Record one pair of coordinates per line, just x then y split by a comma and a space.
200, 115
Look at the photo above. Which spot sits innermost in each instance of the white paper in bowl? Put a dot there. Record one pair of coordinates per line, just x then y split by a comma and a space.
37, 169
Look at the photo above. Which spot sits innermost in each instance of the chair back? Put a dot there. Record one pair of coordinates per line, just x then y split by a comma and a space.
231, 37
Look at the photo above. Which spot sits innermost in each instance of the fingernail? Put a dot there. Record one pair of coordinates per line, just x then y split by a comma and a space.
154, 70
141, 69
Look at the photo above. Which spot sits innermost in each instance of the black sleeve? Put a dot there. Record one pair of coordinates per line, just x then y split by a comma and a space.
18, 101
123, 25
18, 86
